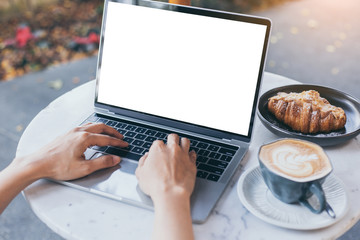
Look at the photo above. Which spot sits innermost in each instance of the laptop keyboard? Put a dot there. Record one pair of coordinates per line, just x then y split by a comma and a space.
212, 157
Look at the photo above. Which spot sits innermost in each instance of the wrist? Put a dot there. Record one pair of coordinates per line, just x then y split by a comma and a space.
174, 196
26, 169
173, 215
14, 178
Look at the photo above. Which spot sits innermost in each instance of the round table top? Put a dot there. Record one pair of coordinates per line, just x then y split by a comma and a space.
75, 214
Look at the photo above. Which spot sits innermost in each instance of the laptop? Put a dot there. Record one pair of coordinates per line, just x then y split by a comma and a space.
164, 69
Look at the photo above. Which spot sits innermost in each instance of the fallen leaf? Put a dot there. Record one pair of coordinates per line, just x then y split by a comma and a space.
76, 80
272, 63
56, 84
19, 128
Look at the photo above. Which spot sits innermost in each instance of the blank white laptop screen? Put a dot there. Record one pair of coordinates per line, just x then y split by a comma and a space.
191, 68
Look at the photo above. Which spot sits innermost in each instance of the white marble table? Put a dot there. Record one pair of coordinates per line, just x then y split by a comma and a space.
74, 214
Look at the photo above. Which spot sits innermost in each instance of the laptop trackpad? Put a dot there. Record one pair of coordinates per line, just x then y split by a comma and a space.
128, 166
118, 182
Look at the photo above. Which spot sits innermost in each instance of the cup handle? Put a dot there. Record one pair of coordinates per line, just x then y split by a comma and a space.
316, 189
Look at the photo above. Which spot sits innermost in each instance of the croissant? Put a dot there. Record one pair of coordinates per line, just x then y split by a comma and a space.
307, 112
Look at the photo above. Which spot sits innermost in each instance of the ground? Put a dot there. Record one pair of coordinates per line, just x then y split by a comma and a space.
48, 35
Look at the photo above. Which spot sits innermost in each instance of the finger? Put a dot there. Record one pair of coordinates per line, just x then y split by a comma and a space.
104, 161
142, 159
104, 140
157, 144
193, 156
173, 139
139, 167
185, 144
137, 172
103, 128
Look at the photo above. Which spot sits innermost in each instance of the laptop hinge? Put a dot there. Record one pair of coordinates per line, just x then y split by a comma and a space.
104, 111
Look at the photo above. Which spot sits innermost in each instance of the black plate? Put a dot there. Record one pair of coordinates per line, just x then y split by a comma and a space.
350, 105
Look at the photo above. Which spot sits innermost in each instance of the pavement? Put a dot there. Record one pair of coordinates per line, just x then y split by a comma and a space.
313, 41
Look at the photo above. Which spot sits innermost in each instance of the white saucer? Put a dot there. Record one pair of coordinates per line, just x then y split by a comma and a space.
257, 198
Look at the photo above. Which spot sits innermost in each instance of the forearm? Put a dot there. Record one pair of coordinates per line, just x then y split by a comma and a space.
13, 179
172, 218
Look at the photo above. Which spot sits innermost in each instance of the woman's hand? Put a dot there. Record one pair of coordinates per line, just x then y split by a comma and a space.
168, 168
64, 159
167, 174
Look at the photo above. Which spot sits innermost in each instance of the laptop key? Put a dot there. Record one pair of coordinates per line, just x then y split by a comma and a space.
202, 159
202, 145
130, 134
147, 145
123, 153
161, 135
150, 139
151, 132
129, 148
195, 149
138, 143
203, 152
111, 123
122, 131
227, 151
193, 143
128, 139
201, 174
225, 158
210, 169
102, 120
138, 150
217, 163
121, 125
130, 127
214, 155
213, 177
140, 130
140, 136
213, 148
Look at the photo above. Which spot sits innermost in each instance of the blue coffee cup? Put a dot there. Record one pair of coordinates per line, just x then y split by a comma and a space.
294, 170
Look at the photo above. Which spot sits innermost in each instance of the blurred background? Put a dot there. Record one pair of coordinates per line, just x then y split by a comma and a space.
48, 47
312, 41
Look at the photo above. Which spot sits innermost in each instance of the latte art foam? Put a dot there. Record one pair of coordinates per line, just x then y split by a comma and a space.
295, 159
292, 162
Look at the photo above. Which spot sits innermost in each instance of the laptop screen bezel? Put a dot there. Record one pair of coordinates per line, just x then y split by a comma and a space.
172, 123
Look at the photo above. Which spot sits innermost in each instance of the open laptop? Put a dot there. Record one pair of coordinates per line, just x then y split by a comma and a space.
164, 69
